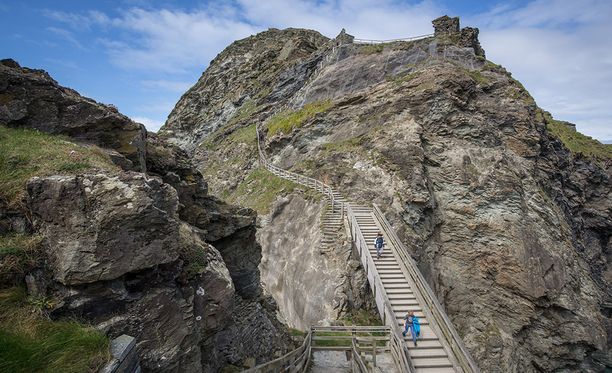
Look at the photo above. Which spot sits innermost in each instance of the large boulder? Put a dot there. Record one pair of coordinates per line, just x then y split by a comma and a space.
31, 98
99, 227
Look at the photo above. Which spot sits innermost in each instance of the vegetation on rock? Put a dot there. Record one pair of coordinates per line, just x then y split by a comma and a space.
260, 189
575, 141
25, 153
19, 253
31, 342
286, 122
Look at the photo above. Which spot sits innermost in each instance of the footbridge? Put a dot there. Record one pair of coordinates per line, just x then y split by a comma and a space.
398, 287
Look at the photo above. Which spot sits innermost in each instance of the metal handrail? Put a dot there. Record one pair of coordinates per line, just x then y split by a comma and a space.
297, 178
293, 361
375, 41
462, 356
356, 358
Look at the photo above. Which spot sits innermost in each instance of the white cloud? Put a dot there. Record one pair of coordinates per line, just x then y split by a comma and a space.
166, 85
560, 50
67, 36
151, 124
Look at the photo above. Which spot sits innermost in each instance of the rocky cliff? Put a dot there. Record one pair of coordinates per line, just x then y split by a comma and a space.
150, 254
509, 222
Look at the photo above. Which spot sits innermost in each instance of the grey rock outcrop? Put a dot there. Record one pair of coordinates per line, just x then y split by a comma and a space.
245, 70
100, 227
510, 228
445, 25
151, 255
31, 98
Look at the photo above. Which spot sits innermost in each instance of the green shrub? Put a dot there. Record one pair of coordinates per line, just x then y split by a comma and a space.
286, 122
372, 49
259, 190
25, 153
30, 342
19, 253
574, 140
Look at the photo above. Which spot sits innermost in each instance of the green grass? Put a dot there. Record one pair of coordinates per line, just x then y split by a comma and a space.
286, 122
18, 254
344, 146
403, 78
362, 318
245, 135
371, 49
478, 77
25, 153
259, 190
30, 342
575, 141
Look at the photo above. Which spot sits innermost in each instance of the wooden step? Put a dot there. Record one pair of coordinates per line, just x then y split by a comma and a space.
423, 344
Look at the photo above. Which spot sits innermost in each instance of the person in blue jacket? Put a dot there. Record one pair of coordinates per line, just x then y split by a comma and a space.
379, 243
411, 322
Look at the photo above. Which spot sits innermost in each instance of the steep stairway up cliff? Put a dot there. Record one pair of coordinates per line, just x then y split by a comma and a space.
429, 355
395, 280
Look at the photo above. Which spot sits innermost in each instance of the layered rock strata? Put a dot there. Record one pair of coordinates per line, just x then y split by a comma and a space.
511, 229
151, 255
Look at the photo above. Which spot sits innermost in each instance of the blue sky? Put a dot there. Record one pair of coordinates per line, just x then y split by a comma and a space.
142, 55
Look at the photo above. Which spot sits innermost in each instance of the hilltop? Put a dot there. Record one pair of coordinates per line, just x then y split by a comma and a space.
507, 210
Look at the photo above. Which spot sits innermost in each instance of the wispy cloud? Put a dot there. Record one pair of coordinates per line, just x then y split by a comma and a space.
66, 36
70, 65
151, 124
166, 85
78, 21
560, 50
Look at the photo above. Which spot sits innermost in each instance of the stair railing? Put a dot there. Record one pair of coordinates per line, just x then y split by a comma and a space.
374, 41
297, 178
400, 350
435, 310
296, 361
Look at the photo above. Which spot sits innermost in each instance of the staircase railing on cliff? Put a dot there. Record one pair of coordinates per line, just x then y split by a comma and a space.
399, 349
294, 361
297, 178
375, 41
427, 297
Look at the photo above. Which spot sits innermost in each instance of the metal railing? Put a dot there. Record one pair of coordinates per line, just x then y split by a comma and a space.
428, 298
374, 41
297, 178
292, 362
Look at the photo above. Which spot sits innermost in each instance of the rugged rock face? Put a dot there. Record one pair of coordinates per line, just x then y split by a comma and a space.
245, 70
100, 227
511, 229
150, 255
31, 98
311, 286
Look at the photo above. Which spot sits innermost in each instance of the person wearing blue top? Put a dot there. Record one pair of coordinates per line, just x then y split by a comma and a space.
379, 243
411, 322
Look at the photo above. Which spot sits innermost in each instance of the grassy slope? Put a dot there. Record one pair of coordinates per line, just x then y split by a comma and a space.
26, 153
287, 121
18, 254
577, 142
30, 342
